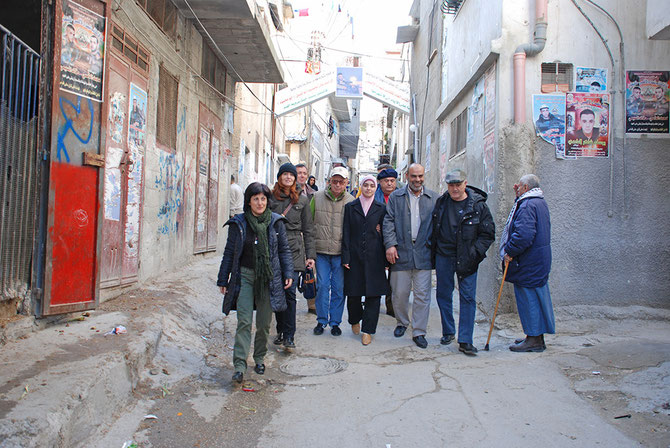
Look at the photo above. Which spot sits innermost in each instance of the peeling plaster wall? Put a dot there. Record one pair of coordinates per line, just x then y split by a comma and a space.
167, 235
620, 259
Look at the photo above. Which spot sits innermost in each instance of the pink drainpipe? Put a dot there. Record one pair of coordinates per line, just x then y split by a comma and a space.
529, 49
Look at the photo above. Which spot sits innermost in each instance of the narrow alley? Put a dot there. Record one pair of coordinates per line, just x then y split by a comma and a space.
72, 386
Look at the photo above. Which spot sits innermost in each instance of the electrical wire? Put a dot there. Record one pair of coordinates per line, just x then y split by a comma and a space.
622, 80
610, 212
211, 39
195, 73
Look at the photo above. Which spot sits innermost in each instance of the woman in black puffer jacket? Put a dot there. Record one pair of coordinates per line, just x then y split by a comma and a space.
255, 271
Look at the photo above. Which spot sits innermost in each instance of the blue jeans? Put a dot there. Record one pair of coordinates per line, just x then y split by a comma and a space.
330, 289
445, 268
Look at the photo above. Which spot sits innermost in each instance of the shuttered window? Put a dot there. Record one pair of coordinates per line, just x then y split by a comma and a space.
556, 77
166, 113
459, 131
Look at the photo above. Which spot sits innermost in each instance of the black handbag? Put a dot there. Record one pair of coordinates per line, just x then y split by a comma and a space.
307, 284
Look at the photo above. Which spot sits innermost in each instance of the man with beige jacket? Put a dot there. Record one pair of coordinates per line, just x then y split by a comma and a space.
328, 211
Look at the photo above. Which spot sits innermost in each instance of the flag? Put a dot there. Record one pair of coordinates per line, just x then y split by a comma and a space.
303, 12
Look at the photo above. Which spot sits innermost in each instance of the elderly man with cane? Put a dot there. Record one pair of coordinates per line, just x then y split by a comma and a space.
525, 246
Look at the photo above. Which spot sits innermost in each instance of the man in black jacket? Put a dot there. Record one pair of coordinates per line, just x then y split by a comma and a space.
463, 230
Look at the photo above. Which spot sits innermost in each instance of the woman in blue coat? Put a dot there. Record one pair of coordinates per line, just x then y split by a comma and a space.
364, 259
256, 268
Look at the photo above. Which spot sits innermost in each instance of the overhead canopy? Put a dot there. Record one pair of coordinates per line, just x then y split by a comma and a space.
384, 90
239, 29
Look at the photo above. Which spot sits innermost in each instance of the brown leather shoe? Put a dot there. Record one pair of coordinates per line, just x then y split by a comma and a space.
366, 338
531, 344
356, 328
311, 306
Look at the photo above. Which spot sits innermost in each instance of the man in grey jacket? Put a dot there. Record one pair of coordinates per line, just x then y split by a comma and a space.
407, 231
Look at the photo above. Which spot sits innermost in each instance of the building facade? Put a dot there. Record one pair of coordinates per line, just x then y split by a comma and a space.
608, 206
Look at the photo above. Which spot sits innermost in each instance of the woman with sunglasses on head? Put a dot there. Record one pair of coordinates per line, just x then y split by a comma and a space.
256, 269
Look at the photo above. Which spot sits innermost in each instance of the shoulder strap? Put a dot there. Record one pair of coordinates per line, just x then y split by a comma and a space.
290, 204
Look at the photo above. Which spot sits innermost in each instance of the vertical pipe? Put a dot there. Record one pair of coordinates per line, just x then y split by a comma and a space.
519, 87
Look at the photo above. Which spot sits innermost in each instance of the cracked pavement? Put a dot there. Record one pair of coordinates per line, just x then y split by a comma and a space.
603, 363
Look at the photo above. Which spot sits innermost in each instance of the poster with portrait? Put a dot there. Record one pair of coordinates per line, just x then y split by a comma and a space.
592, 80
587, 124
647, 95
137, 113
349, 82
549, 119
82, 51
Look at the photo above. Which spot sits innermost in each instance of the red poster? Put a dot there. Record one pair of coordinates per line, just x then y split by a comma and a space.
587, 125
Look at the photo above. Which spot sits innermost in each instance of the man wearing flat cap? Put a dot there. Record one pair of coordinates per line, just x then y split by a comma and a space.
463, 230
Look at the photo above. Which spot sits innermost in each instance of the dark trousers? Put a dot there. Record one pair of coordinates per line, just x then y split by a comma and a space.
286, 318
369, 313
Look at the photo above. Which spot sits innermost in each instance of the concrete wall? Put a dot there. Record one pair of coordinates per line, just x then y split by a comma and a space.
167, 237
425, 81
605, 252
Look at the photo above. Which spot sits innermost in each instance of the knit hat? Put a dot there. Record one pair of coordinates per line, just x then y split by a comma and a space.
388, 172
288, 167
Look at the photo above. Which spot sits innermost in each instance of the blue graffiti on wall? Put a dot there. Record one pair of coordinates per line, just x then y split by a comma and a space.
68, 126
170, 181
182, 121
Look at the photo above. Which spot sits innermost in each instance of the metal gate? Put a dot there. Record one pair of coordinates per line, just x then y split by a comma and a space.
19, 98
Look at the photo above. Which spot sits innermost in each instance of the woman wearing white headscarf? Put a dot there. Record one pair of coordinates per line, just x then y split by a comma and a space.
364, 259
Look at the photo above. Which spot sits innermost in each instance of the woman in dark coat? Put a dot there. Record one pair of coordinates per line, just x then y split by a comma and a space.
256, 268
288, 202
364, 259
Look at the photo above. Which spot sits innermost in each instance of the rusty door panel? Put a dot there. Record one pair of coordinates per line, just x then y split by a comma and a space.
213, 210
201, 194
207, 181
114, 172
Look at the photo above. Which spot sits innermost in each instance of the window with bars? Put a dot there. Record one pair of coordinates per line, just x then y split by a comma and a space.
166, 113
556, 77
212, 69
131, 50
164, 13
459, 131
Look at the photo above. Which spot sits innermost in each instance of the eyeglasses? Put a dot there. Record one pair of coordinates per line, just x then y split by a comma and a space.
337, 182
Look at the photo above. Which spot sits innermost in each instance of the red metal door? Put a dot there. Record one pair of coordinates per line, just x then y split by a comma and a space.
207, 182
123, 174
73, 242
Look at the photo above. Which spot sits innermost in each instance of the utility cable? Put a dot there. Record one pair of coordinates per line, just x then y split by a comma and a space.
610, 212
622, 90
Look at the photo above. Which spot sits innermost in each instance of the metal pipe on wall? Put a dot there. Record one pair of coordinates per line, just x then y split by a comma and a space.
520, 54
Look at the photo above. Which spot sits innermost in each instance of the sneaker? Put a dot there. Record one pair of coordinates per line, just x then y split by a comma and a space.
289, 343
238, 377
318, 330
467, 348
278, 340
259, 369
335, 330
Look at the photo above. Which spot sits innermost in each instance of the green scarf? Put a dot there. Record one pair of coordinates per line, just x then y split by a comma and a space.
262, 267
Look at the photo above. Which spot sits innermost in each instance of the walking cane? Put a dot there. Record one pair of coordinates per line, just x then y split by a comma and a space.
496, 309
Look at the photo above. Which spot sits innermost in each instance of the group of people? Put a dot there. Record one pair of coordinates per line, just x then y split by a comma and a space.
384, 242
